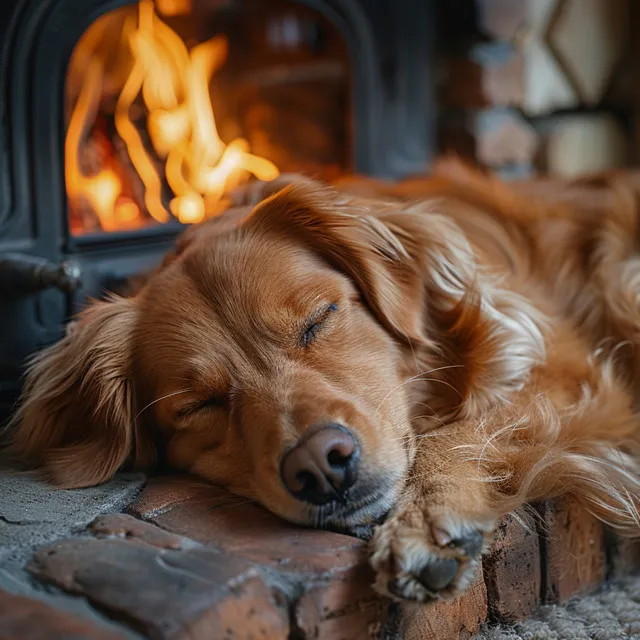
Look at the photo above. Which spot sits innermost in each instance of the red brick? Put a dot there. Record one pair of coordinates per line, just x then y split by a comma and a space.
23, 618
574, 549
332, 570
447, 620
124, 526
346, 608
162, 494
166, 587
249, 612
217, 518
512, 571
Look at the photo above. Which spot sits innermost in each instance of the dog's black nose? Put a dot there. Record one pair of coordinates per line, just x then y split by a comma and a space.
322, 465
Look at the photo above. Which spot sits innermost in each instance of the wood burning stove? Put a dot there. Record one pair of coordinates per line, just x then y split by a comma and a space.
109, 144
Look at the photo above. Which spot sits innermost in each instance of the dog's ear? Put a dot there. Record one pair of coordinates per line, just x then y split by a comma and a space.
76, 419
419, 276
385, 249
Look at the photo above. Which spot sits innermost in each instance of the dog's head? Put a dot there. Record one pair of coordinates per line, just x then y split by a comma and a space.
275, 356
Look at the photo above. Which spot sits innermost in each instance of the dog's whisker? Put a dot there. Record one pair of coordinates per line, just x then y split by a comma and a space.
418, 436
446, 384
420, 378
168, 395
434, 415
436, 433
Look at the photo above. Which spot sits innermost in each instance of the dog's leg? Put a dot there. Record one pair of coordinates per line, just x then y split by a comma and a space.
468, 474
431, 542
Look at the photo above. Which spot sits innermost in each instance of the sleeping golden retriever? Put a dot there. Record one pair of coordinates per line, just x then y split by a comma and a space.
439, 352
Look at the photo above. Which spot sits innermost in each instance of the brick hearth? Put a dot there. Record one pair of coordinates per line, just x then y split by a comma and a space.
189, 561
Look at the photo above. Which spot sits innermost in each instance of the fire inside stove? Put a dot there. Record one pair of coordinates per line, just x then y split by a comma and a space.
143, 145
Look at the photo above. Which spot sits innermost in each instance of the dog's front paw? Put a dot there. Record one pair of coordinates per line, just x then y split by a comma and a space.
421, 558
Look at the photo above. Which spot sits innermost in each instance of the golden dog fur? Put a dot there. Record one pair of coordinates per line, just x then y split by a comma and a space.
484, 349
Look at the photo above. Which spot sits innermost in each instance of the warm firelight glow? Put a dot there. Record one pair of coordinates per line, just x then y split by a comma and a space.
102, 190
163, 120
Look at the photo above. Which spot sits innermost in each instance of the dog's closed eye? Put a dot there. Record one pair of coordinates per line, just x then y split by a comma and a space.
213, 401
314, 326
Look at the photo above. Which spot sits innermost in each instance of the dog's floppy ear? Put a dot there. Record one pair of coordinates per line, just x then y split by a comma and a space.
385, 250
76, 417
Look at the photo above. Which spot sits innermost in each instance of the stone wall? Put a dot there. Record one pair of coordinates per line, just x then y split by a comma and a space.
540, 86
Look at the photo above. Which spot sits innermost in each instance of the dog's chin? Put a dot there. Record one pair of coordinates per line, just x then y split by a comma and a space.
361, 522
358, 514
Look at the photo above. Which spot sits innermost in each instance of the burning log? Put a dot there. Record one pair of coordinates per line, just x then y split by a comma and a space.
133, 188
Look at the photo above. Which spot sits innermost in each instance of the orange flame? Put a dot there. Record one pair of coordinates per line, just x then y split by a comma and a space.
173, 84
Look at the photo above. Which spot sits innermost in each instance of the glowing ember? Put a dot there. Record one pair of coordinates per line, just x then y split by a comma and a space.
143, 68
